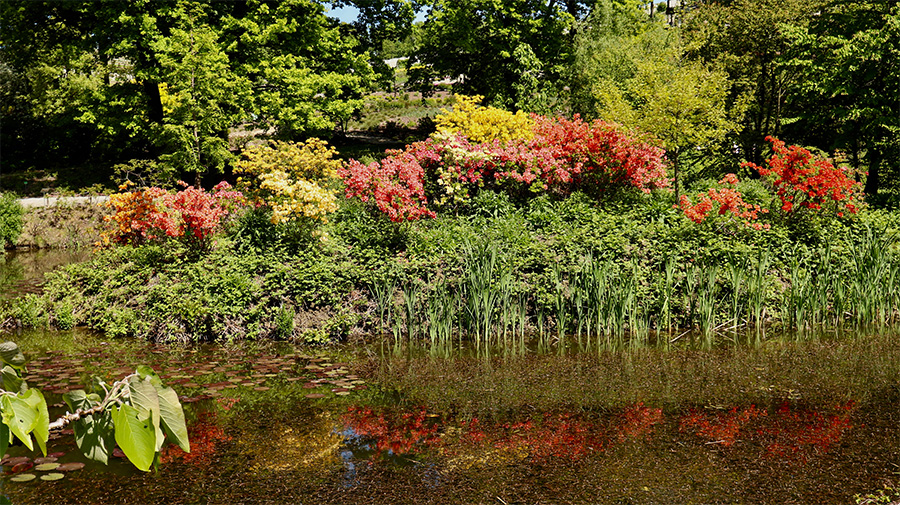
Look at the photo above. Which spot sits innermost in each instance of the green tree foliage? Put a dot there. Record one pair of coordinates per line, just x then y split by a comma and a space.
743, 38
11, 213
203, 97
607, 46
86, 74
634, 72
380, 24
305, 74
848, 91
506, 51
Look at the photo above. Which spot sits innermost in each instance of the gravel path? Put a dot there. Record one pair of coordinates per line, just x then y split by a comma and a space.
51, 201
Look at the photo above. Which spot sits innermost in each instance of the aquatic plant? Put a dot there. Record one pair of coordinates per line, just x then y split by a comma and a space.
136, 413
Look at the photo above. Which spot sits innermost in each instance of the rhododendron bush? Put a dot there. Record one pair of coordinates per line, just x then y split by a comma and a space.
559, 157
484, 124
191, 215
727, 202
802, 181
292, 179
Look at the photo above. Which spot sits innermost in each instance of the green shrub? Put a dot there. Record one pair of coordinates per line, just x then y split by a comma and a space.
284, 323
65, 316
31, 312
11, 213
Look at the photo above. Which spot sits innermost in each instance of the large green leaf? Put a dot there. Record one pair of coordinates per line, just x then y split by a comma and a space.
42, 423
173, 417
20, 416
145, 372
10, 354
145, 399
11, 380
94, 436
135, 435
4, 439
76, 399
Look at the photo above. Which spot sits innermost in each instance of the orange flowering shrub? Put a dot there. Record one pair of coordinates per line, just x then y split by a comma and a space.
153, 214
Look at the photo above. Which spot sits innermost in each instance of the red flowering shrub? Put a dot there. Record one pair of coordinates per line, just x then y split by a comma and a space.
800, 180
152, 214
396, 185
562, 156
599, 152
725, 200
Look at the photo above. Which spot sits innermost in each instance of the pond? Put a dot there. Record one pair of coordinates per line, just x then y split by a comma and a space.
780, 420
23, 272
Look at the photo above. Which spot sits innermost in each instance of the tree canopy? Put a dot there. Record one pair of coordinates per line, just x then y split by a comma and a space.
164, 83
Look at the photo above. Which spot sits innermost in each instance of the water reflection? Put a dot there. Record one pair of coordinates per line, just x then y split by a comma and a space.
791, 433
271, 443
23, 272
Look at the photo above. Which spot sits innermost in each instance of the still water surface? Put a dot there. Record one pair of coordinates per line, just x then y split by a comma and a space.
278, 424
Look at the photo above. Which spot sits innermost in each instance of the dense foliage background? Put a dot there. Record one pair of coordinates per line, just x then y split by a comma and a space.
178, 87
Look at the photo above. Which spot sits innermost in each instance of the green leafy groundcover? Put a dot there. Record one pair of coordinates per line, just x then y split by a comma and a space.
272, 284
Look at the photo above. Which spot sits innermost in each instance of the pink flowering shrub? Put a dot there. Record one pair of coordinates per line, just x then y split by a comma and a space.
191, 215
561, 157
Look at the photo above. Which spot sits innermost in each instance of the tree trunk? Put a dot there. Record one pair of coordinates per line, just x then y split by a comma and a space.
873, 180
154, 101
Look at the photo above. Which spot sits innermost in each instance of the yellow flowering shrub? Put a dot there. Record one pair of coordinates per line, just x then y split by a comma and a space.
484, 124
292, 178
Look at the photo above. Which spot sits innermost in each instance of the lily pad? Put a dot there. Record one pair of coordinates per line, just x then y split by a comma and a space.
52, 476
46, 467
56, 454
24, 477
70, 467
22, 467
48, 459
15, 461
315, 395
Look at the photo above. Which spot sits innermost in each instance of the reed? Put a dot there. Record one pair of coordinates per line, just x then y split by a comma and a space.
560, 302
383, 293
738, 271
667, 293
757, 288
411, 290
707, 298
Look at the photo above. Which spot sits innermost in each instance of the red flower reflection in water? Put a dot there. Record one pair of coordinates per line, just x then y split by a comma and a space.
637, 421
786, 433
794, 432
204, 434
552, 436
720, 427
398, 433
